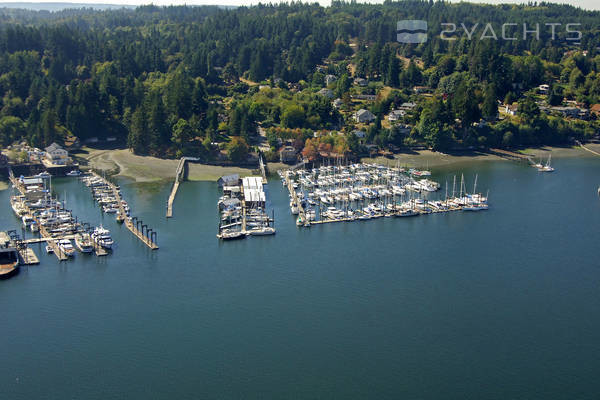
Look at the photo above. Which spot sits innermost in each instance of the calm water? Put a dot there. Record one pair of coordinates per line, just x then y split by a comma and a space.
502, 304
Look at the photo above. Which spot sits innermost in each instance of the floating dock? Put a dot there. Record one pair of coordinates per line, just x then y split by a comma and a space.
148, 240
28, 257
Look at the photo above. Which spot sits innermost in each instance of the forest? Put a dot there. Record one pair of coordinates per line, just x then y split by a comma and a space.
172, 81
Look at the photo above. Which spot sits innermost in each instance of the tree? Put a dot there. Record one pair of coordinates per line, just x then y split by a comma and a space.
182, 134
237, 149
489, 108
293, 116
11, 129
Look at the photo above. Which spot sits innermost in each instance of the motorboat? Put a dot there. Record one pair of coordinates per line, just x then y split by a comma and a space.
84, 243
101, 236
66, 247
75, 172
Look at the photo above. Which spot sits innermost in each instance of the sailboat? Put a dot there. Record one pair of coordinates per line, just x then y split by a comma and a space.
547, 167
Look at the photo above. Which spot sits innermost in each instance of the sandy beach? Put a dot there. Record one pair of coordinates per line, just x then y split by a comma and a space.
147, 169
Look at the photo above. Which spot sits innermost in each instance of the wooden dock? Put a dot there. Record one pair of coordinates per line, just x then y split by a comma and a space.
179, 177
28, 257
148, 242
128, 223
301, 212
263, 169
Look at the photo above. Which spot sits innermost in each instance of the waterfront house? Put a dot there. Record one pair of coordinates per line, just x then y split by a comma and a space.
228, 180
364, 116
544, 89
56, 155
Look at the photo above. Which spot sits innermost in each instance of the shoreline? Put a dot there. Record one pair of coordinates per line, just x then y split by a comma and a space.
141, 169
431, 159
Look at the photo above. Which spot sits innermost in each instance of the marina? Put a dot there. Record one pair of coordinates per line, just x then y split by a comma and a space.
44, 215
108, 196
369, 191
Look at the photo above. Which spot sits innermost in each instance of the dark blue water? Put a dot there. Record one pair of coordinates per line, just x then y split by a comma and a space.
502, 304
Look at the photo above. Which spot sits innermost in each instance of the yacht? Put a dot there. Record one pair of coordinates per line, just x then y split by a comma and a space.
84, 243
75, 172
101, 236
66, 247
263, 231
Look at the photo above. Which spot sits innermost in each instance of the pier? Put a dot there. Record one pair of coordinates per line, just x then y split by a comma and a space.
179, 177
146, 235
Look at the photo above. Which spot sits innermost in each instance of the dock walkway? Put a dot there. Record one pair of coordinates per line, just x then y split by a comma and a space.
128, 223
179, 177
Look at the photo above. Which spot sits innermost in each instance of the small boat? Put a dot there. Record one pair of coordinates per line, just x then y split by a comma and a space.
231, 235
43, 175
407, 213
267, 230
49, 249
75, 172
66, 247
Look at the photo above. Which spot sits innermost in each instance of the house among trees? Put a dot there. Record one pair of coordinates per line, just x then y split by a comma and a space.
364, 116
544, 89
511, 109
288, 155
368, 97
360, 81
595, 109
395, 115
407, 106
329, 79
421, 89
56, 155
326, 92
337, 103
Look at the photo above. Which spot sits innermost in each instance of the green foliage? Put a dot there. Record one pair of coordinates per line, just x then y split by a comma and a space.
237, 149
